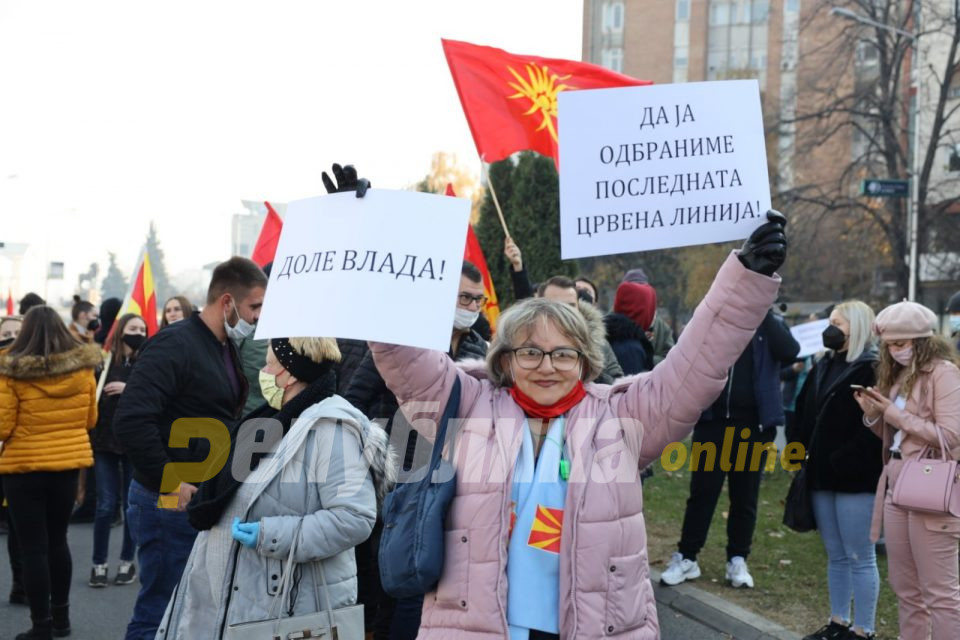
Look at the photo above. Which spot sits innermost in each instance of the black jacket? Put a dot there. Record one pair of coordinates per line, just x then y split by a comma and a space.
752, 394
629, 342
179, 374
102, 438
351, 355
844, 456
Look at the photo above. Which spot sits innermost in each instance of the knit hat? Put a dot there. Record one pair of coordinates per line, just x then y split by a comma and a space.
637, 275
905, 321
636, 301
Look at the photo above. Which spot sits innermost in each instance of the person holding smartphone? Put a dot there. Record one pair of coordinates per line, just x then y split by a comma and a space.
843, 466
917, 395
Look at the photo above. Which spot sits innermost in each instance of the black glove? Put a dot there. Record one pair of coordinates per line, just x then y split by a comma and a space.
766, 248
346, 181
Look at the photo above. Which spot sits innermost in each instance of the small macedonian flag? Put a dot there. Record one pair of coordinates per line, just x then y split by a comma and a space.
546, 529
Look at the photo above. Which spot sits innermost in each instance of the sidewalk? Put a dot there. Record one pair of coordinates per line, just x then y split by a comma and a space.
716, 613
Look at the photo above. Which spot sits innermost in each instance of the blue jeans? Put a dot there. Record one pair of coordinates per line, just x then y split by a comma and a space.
164, 539
844, 523
114, 473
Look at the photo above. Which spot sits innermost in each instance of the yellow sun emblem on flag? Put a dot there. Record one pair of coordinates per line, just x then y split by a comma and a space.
540, 87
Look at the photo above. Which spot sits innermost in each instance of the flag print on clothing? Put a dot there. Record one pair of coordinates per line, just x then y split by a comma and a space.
546, 530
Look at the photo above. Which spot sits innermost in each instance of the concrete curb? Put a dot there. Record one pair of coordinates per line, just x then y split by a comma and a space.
716, 613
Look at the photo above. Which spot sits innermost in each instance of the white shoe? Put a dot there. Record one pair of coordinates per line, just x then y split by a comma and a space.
678, 570
737, 573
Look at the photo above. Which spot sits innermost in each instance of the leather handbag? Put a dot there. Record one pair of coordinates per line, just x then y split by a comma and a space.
345, 623
798, 508
928, 484
411, 544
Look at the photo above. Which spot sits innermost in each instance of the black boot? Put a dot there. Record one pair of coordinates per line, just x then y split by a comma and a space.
61, 620
41, 630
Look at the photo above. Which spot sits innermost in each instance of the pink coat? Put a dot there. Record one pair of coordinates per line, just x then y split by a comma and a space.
934, 401
615, 431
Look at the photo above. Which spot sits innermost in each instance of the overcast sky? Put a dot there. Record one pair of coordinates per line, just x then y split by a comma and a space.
116, 113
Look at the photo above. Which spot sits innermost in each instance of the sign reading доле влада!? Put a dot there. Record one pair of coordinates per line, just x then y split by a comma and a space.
660, 166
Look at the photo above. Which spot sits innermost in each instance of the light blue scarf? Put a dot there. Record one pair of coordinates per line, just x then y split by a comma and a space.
533, 556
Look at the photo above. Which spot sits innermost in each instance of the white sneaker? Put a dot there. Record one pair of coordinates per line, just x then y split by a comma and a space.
678, 570
737, 573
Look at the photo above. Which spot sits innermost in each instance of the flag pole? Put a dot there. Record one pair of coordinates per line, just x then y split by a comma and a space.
103, 375
493, 192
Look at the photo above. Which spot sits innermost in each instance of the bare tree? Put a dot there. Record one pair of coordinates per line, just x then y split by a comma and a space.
854, 120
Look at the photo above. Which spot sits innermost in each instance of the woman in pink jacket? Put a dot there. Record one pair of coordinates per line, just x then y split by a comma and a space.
917, 394
545, 536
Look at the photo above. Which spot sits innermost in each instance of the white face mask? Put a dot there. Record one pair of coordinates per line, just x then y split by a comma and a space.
239, 331
464, 318
903, 357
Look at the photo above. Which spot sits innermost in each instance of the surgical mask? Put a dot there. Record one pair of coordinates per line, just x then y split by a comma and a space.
241, 330
904, 356
834, 338
93, 325
6, 343
134, 340
954, 324
464, 318
272, 393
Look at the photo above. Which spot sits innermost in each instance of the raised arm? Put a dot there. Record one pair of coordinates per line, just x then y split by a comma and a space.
423, 376
670, 399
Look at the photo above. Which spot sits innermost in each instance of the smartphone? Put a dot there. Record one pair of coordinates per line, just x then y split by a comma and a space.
858, 387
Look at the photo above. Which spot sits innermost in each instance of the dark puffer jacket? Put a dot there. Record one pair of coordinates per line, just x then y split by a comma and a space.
351, 355
844, 455
630, 343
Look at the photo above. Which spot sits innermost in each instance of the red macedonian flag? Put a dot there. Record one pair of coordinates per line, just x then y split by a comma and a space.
511, 100
546, 530
474, 254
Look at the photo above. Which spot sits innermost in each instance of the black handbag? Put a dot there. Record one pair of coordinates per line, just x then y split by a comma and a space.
798, 507
411, 545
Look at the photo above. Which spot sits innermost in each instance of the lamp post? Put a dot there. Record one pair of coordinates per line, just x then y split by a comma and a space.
914, 208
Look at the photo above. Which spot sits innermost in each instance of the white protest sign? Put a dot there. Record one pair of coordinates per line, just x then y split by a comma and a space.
660, 166
384, 267
810, 336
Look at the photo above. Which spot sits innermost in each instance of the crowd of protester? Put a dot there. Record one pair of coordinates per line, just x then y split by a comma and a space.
545, 534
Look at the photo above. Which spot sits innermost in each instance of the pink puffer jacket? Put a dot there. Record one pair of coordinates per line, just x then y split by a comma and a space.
612, 433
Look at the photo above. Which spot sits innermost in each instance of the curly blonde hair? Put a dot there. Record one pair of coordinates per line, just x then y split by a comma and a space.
926, 351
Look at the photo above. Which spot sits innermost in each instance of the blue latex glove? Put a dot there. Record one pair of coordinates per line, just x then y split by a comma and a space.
246, 533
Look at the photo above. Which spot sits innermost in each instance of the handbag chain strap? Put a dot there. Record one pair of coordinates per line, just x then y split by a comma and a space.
287, 580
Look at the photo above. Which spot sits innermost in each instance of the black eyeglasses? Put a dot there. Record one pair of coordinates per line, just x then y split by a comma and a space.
466, 300
563, 359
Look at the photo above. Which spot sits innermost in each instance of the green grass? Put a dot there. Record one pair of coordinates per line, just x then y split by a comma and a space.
788, 568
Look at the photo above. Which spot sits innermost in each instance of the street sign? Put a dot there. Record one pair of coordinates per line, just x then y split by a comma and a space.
876, 188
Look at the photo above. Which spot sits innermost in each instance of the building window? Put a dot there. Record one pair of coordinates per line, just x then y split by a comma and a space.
792, 6
761, 11
719, 14
613, 17
866, 53
612, 59
680, 58
683, 10
954, 163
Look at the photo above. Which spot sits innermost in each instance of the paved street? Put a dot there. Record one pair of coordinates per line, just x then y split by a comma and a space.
102, 614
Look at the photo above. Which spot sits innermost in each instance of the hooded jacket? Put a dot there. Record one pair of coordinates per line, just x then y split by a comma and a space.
47, 405
630, 344
321, 486
611, 366
613, 432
